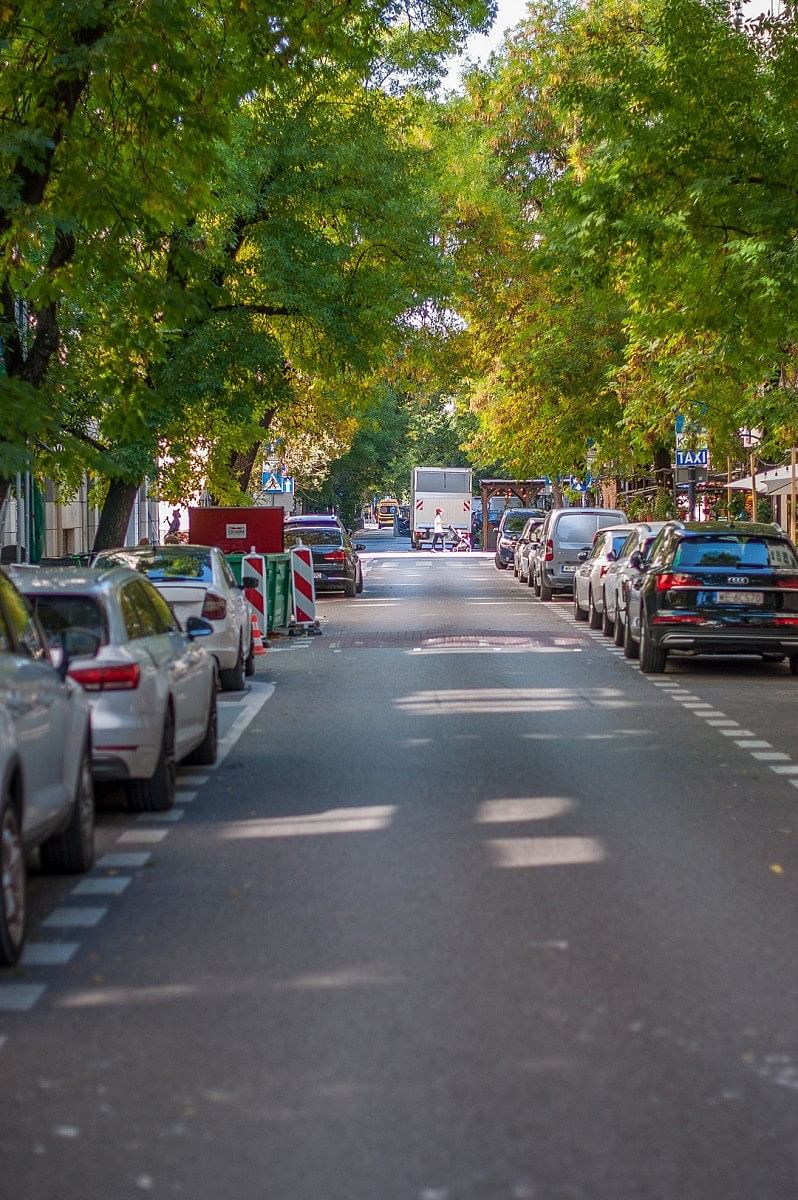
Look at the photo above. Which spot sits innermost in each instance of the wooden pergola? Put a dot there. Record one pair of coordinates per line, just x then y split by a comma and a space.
525, 489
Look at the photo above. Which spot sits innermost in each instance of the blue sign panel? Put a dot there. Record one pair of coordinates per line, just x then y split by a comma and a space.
692, 458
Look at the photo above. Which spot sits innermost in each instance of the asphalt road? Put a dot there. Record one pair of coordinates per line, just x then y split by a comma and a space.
471, 910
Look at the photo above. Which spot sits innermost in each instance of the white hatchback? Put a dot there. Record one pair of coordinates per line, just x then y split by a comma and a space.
46, 791
152, 687
197, 581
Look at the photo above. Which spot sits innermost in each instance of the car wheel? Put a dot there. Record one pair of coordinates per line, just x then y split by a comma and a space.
652, 657
157, 794
546, 593
232, 679
204, 755
515, 570
579, 612
72, 851
607, 625
593, 616
350, 589
630, 646
530, 578
618, 630
794, 664
500, 566
359, 584
13, 906
536, 586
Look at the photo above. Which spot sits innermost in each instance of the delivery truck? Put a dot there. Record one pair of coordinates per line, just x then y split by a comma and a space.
444, 488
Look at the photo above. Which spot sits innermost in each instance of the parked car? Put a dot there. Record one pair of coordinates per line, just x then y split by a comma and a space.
511, 525
46, 788
336, 565
196, 581
590, 574
715, 588
620, 574
304, 520
565, 534
526, 540
151, 687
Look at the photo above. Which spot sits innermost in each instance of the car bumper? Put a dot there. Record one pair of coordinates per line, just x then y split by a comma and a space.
506, 554
333, 583
712, 640
125, 744
561, 581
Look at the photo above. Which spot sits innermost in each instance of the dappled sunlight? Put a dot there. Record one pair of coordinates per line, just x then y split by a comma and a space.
333, 820
491, 647
106, 997
499, 701
545, 852
538, 808
374, 975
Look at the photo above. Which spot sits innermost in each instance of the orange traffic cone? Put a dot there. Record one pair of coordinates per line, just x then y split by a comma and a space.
257, 637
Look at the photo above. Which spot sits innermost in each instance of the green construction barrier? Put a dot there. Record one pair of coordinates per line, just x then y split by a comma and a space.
278, 586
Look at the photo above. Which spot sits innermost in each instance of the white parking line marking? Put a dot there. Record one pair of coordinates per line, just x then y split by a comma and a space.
718, 724
794, 782
174, 814
19, 997
770, 756
792, 769
252, 705
68, 918
696, 705
737, 733
134, 858
185, 797
754, 744
48, 954
111, 885
143, 835
715, 712
192, 780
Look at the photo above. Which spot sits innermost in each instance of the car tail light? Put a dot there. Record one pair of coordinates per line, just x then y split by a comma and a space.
122, 678
790, 585
549, 555
603, 570
214, 607
666, 581
786, 621
335, 556
675, 619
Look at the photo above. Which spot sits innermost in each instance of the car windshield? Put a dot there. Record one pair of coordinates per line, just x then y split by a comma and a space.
81, 614
734, 550
514, 522
618, 540
311, 536
161, 563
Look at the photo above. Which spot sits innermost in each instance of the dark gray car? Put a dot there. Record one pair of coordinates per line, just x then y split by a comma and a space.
566, 533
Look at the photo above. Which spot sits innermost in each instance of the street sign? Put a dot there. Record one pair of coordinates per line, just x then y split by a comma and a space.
693, 458
275, 482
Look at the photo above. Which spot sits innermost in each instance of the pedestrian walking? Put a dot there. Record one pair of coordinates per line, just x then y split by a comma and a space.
437, 530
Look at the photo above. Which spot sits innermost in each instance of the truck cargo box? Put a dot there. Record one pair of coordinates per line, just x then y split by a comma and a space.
241, 529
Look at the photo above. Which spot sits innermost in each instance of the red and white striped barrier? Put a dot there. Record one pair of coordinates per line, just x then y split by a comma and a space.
302, 586
255, 564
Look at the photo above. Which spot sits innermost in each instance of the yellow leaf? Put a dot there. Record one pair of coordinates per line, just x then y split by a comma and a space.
776, 869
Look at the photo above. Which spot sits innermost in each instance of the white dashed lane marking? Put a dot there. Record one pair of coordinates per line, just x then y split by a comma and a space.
142, 835
66, 917
19, 997
166, 818
745, 739
109, 885
135, 858
48, 954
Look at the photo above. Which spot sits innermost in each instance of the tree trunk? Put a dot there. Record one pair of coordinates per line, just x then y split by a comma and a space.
242, 462
556, 495
115, 515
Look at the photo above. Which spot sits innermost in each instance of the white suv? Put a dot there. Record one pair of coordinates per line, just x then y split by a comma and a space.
46, 791
196, 581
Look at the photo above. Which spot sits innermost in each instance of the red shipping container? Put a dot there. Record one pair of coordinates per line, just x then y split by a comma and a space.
237, 529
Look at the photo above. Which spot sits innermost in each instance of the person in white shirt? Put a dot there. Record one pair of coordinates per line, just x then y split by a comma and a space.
437, 530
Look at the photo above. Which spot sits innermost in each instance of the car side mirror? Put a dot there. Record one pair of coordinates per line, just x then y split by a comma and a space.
198, 627
250, 581
636, 561
583, 555
611, 557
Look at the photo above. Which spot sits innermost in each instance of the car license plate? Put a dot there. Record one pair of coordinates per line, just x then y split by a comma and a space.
565, 569
749, 598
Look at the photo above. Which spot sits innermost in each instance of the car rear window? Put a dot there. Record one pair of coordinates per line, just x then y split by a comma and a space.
59, 612
313, 537
160, 565
734, 550
577, 527
618, 540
